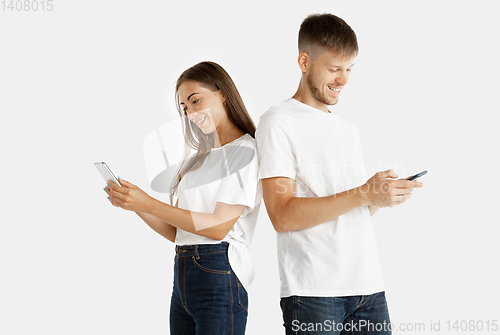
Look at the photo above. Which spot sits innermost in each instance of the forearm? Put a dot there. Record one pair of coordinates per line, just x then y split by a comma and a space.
207, 224
301, 213
161, 227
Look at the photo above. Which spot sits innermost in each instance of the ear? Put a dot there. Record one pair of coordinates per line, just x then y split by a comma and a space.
304, 61
222, 96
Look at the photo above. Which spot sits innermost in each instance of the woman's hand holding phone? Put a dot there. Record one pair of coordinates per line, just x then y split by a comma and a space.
129, 197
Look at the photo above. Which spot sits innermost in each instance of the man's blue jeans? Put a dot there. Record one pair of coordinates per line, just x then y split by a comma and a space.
361, 314
207, 297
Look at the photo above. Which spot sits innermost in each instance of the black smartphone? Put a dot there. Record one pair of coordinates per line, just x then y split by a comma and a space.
418, 175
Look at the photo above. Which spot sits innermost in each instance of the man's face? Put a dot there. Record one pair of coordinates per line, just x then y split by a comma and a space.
328, 75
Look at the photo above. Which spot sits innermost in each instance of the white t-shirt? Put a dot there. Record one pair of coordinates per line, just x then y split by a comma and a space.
229, 174
322, 153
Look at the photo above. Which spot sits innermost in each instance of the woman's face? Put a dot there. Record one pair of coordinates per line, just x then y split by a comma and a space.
203, 106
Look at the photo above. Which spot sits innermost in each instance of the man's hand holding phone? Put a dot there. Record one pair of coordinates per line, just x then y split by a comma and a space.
384, 190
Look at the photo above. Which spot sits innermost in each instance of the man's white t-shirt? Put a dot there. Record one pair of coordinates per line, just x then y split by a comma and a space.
229, 174
322, 153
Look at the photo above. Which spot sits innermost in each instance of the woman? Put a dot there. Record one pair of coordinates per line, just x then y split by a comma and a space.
218, 202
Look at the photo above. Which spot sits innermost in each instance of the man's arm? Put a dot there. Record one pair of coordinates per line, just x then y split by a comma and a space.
289, 213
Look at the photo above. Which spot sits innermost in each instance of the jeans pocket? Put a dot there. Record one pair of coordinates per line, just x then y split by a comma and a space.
242, 297
216, 264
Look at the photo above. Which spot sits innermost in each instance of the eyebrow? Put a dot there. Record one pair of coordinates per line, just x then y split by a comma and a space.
189, 97
341, 66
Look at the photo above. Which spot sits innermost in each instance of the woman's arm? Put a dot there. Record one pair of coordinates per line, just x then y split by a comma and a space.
161, 227
214, 225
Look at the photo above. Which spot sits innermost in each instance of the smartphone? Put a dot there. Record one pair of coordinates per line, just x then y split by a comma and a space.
418, 175
106, 172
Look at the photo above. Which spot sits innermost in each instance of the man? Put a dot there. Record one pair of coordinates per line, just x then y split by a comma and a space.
318, 197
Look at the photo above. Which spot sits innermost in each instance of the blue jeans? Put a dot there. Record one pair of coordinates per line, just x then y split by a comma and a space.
361, 314
207, 297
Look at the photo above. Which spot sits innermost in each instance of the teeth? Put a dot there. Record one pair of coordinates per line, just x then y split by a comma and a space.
334, 89
201, 121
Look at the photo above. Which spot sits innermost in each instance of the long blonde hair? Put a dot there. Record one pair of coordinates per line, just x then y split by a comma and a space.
214, 77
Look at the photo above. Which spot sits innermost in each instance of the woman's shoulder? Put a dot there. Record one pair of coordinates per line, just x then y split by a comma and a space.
248, 140
244, 140
242, 149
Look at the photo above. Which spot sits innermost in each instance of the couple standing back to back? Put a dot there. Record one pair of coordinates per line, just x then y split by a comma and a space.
306, 163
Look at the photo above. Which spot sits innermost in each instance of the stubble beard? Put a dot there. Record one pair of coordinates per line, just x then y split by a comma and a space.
316, 92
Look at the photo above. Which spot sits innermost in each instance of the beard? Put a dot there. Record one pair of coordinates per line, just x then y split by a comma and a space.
316, 92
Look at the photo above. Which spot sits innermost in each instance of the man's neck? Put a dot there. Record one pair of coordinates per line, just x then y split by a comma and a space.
304, 95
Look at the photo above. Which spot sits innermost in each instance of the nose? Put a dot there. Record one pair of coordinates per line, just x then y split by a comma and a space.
191, 115
343, 78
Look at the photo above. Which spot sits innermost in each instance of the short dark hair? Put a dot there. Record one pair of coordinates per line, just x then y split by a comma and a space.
319, 32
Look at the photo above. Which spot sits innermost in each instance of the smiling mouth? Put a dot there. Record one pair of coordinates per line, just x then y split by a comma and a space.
200, 121
335, 90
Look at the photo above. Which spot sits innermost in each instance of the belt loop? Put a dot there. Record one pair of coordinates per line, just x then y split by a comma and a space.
196, 251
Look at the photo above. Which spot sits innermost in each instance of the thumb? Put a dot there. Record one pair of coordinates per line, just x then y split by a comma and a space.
390, 174
125, 183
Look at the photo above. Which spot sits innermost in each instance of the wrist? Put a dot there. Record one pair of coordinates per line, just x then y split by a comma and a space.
361, 193
151, 206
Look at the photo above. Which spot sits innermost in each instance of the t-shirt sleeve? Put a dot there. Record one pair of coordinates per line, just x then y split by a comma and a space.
274, 148
240, 184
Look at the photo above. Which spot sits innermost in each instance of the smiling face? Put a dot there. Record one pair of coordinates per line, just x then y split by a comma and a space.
327, 76
204, 107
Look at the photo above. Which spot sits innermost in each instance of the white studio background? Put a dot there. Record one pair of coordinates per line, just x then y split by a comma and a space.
89, 80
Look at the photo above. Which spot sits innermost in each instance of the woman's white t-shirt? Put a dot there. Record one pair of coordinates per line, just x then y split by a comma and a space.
229, 175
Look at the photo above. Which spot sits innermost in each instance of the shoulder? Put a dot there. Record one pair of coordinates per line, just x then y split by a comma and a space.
277, 111
246, 140
274, 119
243, 146
240, 153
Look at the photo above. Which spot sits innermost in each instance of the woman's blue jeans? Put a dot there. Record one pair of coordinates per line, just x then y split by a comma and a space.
207, 297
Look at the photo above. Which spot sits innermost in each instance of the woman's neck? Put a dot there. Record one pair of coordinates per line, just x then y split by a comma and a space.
224, 136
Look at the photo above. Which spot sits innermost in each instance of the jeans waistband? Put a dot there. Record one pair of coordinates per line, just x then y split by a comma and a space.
200, 249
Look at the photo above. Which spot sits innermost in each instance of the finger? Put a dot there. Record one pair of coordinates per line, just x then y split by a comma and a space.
403, 183
402, 199
116, 199
126, 183
417, 184
112, 184
408, 183
111, 200
402, 191
406, 197
117, 195
107, 189
116, 188
388, 174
